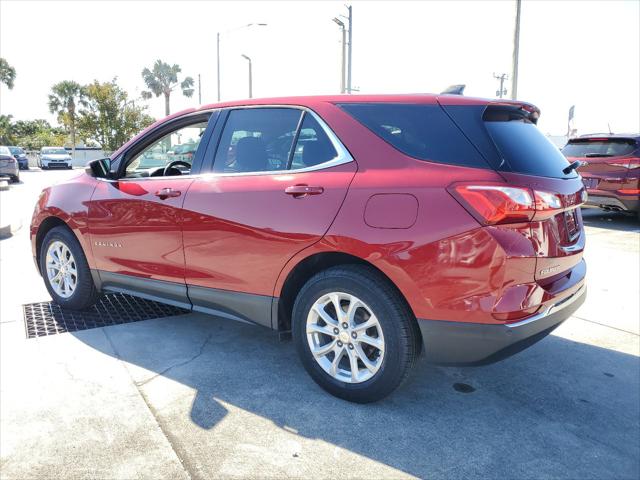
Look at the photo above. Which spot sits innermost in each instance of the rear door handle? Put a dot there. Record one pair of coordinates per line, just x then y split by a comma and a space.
299, 191
165, 193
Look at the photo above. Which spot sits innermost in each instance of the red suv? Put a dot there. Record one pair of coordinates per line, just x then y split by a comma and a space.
610, 169
373, 228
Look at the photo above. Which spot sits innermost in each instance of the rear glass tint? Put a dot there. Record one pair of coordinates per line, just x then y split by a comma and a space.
599, 148
522, 146
424, 132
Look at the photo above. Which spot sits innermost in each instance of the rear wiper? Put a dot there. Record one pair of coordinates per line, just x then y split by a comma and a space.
573, 166
593, 155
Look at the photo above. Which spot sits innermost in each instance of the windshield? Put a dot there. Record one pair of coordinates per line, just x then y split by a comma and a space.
599, 148
4, 151
16, 150
54, 151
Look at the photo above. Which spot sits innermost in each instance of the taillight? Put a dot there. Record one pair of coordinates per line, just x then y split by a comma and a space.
493, 204
628, 163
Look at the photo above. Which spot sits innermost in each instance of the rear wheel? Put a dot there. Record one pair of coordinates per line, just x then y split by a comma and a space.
65, 270
15, 178
354, 333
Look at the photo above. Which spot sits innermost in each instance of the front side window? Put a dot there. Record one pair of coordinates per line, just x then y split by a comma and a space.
178, 146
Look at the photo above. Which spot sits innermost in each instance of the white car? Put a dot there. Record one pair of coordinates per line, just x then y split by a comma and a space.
54, 157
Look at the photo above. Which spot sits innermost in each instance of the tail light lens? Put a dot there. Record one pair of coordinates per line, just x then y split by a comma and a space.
493, 204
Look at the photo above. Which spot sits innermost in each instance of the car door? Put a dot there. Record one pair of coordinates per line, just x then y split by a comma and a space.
134, 220
279, 178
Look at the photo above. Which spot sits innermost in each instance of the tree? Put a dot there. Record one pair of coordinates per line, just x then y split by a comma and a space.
7, 73
6, 130
109, 117
35, 134
163, 80
64, 101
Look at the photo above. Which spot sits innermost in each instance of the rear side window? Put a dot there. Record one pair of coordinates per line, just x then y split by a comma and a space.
424, 132
313, 146
599, 148
521, 145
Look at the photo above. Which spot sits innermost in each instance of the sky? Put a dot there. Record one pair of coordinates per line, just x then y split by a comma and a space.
582, 53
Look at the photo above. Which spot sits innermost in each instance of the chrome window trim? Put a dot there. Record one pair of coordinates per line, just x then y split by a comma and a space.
342, 158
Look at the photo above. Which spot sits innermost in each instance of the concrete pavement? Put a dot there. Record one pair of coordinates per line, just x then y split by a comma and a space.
195, 396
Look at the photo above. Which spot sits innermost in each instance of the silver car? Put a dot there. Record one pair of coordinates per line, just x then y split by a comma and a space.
8, 165
54, 157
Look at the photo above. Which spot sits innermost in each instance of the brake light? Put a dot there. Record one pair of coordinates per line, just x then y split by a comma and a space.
629, 191
493, 204
629, 163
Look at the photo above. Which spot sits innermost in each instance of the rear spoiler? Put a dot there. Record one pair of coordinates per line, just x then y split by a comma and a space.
453, 90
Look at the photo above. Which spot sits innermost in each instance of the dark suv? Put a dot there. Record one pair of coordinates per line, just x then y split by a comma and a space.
371, 227
610, 170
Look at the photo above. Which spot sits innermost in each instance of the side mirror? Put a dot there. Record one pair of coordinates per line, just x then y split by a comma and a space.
100, 168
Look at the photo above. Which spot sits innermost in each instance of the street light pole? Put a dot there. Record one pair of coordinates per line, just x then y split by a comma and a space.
344, 57
250, 75
516, 53
350, 47
218, 46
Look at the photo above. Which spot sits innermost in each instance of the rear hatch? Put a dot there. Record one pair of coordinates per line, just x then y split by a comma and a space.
539, 191
607, 160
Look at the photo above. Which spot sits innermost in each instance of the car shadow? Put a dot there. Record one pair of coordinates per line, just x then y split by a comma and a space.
611, 220
560, 409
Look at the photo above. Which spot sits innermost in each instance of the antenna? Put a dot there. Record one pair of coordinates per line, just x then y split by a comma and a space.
609, 127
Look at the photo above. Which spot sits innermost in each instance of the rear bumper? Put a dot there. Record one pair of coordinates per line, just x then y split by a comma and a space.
457, 343
630, 203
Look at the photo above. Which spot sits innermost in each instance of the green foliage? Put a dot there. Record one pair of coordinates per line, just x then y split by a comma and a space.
163, 79
30, 134
63, 100
109, 118
7, 73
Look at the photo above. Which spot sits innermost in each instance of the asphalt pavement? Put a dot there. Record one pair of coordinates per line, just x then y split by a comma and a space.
195, 396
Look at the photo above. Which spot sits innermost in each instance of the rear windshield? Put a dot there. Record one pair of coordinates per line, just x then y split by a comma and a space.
521, 145
599, 148
424, 132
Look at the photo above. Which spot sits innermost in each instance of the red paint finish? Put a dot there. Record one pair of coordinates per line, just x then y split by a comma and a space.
240, 231
247, 233
145, 228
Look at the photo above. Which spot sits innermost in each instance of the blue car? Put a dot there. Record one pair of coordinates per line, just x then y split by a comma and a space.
21, 157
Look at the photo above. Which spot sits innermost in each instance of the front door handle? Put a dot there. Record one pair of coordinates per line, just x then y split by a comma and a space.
299, 191
165, 193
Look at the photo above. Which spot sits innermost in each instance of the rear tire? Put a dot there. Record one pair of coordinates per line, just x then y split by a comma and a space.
65, 270
15, 178
381, 333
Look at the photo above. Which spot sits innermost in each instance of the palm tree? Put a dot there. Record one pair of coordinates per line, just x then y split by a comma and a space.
63, 100
163, 80
7, 73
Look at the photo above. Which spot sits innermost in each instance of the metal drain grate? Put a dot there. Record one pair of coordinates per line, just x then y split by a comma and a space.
47, 318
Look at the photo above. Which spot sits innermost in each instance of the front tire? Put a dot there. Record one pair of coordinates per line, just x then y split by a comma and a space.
354, 333
65, 270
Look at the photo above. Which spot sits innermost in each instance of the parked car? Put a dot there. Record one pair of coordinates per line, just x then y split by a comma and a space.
9, 165
610, 170
54, 157
408, 223
20, 156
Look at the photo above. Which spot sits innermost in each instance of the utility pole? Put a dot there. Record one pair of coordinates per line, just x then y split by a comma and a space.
350, 47
250, 75
344, 56
516, 52
199, 91
218, 61
503, 91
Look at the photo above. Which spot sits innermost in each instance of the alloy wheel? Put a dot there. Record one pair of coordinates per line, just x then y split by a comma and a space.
61, 268
345, 337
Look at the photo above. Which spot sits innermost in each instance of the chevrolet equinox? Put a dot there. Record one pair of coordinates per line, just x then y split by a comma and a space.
373, 228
